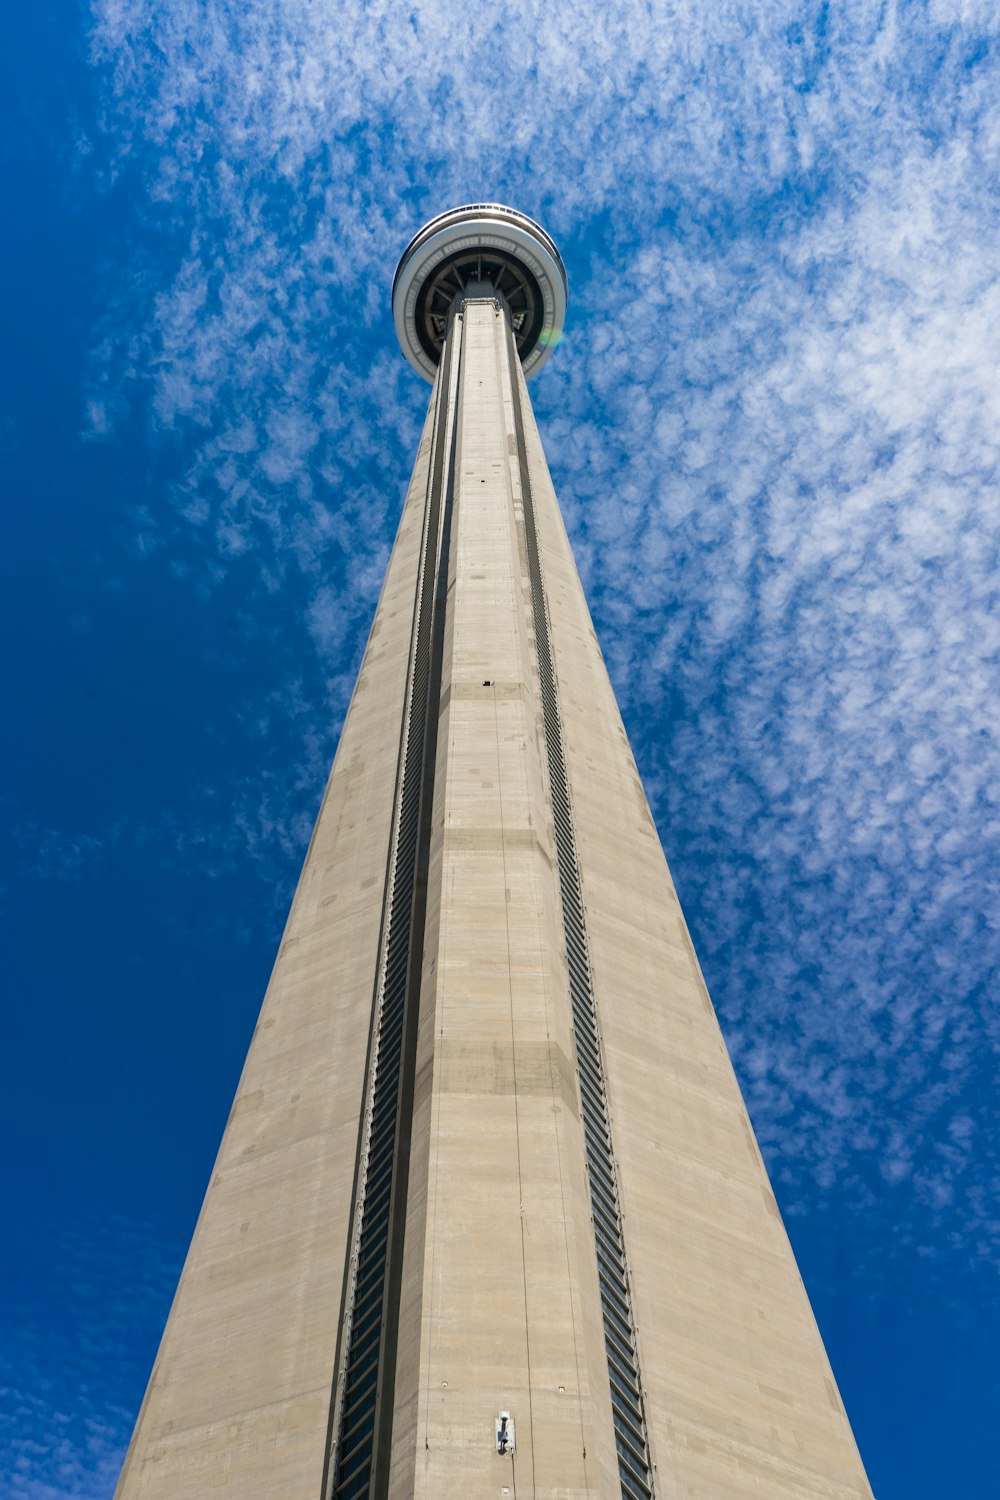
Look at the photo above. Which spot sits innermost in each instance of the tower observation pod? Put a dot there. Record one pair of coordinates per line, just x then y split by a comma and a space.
482, 249
488, 1217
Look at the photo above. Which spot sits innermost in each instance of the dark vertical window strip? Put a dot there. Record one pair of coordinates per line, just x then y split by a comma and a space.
635, 1471
363, 1420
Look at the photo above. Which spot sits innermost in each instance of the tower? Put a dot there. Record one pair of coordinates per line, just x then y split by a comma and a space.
488, 1217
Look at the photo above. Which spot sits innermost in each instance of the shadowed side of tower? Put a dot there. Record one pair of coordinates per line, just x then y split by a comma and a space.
489, 1216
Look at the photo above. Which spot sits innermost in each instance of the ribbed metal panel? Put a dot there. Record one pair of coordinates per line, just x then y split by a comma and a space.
634, 1467
362, 1428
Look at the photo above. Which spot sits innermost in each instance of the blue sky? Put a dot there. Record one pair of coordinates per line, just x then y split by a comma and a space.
774, 425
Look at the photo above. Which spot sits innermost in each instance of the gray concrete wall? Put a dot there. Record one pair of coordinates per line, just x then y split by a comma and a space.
499, 1304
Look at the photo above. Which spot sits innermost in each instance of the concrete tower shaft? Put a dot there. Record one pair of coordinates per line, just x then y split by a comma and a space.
489, 1216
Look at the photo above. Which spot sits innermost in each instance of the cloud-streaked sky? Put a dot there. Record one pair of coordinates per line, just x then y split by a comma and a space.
774, 425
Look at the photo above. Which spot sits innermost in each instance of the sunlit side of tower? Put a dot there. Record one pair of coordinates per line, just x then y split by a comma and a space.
488, 1217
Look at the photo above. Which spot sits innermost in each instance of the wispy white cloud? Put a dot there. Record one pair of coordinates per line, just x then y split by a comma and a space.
773, 426
69, 1386
804, 565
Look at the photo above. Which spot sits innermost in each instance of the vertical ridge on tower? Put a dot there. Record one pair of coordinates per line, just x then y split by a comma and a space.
363, 1417
609, 1238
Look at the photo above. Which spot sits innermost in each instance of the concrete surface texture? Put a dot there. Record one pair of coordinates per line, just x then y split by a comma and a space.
275, 1377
